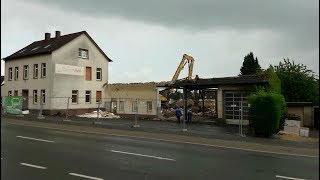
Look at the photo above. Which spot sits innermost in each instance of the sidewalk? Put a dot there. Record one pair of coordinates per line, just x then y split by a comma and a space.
228, 133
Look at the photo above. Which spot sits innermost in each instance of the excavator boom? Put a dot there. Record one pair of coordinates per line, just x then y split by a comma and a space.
185, 59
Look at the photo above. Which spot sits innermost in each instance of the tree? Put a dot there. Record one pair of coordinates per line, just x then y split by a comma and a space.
176, 96
298, 83
250, 65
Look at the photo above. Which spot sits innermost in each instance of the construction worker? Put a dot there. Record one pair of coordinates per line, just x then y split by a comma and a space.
189, 116
178, 113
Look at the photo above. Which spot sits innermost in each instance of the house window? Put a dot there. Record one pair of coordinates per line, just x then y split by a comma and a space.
99, 74
88, 96
16, 71
15, 93
35, 96
75, 96
25, 72
10, 74
9, 93
35, 71
83, 53
88, 73
134, 106
121, 106
98, 96
43, 70
43, 96
149, 105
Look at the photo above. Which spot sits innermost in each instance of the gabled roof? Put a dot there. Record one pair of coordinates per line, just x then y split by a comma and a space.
50, 45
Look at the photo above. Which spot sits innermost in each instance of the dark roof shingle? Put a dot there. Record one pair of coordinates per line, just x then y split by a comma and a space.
48, 46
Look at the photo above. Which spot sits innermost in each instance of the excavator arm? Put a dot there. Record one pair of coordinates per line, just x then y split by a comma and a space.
185, 59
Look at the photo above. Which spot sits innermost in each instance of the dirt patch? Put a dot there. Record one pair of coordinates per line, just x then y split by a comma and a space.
292, 137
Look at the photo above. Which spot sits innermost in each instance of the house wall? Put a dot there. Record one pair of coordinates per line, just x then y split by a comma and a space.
305, 113
30, 83
63, 84
130, 92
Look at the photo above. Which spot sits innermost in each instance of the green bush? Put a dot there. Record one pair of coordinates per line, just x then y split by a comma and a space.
266, 109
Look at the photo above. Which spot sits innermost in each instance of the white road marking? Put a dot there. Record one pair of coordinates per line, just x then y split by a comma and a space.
35, 139
167, 140
31, 165
156, 157
286, 177
84, 176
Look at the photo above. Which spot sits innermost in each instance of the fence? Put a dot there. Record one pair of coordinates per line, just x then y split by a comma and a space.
74, 105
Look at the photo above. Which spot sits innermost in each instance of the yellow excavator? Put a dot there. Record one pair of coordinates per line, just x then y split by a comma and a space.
185, 59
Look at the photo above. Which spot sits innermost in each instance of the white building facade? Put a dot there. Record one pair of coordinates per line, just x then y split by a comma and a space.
57, 73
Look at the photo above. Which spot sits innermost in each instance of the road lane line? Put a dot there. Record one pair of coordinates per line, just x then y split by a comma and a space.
167, 140
35, 139
84, 176
156, 157
32, 165
286, 177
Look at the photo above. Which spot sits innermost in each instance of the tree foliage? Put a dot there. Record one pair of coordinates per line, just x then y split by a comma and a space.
250, 65
176, 96
274, 81
298, 83
266, 112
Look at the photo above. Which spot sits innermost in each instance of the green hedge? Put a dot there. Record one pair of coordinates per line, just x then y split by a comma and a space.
266, 109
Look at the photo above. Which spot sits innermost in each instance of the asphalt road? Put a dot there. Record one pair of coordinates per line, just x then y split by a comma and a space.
36, 153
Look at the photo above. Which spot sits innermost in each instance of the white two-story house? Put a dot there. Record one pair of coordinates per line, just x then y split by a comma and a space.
56, 72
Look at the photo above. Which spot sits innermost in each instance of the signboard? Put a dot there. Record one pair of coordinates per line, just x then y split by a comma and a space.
13, 104
71, 70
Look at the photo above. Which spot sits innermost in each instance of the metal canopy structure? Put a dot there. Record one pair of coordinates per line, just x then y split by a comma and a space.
201, 84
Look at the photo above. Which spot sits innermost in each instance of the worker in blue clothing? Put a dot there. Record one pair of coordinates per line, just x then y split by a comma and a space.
178, 114
189, 116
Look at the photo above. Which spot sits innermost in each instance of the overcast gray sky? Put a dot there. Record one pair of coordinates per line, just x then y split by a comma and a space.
147, 38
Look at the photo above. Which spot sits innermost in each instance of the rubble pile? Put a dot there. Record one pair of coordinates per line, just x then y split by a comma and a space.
102, 114
209, 108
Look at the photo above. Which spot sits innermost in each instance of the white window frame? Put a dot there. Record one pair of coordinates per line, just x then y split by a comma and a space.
83, 53
43, 70
35, 71
99, 70
16, 73
121, 105
9, 93
10, 75
25, 71
43, 96
134, 106
88, 94
35, 96
149, 103
76, 94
